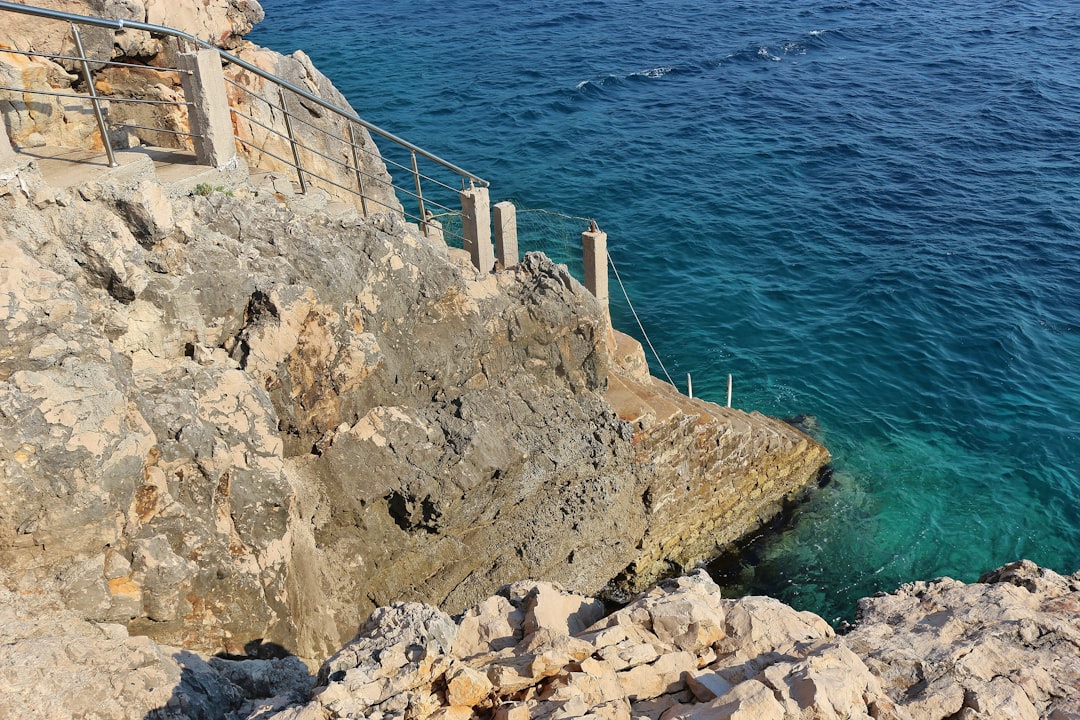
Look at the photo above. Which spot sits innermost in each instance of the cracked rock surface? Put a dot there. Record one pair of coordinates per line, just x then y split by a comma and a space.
240, 417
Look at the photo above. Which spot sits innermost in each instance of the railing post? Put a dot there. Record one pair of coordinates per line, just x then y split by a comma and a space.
359, 171
594, 252
476, 227
99, 115
292, 141
419, 195
506, 239
208, 109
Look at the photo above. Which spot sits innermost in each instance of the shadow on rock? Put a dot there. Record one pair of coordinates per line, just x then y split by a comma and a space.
265, 681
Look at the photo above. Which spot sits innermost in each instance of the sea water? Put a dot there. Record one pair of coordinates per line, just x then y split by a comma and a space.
866, 212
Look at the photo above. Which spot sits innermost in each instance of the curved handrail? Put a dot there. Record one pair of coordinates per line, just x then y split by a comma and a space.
270, 77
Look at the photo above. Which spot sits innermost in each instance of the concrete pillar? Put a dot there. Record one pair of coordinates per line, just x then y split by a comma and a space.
8, 158
506, 244
435, 230
476, 227
211, 121
594, 252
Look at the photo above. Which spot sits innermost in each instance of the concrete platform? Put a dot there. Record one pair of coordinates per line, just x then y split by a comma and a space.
176, 170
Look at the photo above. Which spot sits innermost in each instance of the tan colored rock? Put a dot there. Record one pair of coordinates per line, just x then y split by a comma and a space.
466, 687
552, 651
665, 676
750, 700
831, 682
512, 711
453, 713
490, 626
990, 649
707, 684
756, 625
703, 494
548, 606
597, 684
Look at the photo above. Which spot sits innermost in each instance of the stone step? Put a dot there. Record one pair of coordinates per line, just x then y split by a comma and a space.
639, 397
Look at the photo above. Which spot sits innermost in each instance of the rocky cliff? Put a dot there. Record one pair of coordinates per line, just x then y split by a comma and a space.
237, 420
241, 415
216, 404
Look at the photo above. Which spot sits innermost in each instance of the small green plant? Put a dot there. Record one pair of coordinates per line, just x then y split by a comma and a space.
205, 189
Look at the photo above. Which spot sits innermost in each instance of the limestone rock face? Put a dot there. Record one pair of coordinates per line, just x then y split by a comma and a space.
1006, 646
679, 651
220, 22
238, 417
1000, 648
248, 416
259, 147
54, 665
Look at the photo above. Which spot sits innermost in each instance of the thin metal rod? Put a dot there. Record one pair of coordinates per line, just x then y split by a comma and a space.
88, 97
356, 164
160, 30
45, 92
89, 78
419, 196
154, 129
109, 63
140, 101
292, 141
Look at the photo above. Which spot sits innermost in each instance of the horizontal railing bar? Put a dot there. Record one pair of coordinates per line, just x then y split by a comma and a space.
440, 206
305, 147
135, 25
252, 93
306, 170
140, 101
155, 68
154, 129
109, 63
260, 124
313, 126
440, 183
315, 175
327, 157
409, 170
416, 196
313, 151
415, 218
107, 98
264, 151
46, 92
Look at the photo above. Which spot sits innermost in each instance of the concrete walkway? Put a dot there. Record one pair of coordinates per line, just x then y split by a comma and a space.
175, 169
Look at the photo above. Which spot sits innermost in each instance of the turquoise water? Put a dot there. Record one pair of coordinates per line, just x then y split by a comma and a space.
866, 212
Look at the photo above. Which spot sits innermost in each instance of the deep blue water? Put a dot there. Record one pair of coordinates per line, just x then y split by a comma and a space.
867, 212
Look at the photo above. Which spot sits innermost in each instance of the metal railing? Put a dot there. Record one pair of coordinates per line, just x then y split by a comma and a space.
333, 143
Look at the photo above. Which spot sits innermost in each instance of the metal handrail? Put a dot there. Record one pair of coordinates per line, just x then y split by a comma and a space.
109, 63
270, 77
